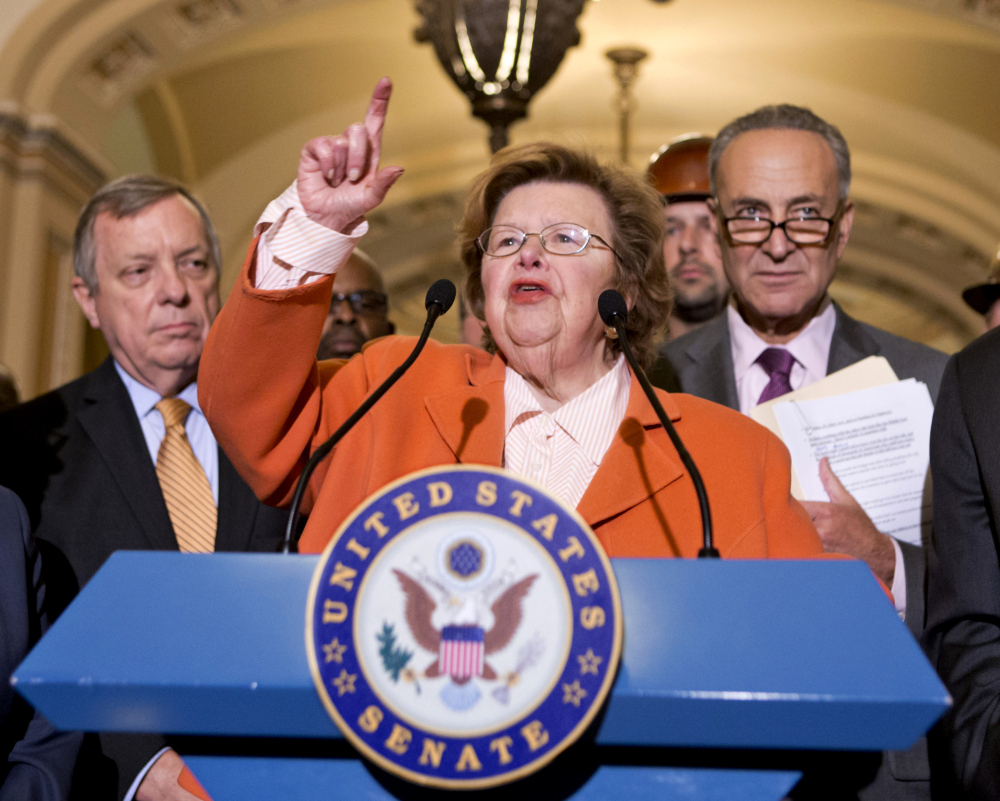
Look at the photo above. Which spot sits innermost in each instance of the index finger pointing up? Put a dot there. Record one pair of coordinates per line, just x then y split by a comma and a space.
375, 116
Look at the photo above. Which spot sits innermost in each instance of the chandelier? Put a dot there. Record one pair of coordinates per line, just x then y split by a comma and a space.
499, 52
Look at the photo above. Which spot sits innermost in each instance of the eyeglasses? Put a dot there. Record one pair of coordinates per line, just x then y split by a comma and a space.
365, 301
799, 230
561, 239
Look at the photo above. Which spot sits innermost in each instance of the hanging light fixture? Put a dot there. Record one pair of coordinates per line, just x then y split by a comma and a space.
499, 52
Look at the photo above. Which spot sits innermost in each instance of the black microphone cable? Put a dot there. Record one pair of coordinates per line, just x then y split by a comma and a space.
439, 299
614, 312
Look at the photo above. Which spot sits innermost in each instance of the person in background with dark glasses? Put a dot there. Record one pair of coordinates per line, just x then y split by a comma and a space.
357, 310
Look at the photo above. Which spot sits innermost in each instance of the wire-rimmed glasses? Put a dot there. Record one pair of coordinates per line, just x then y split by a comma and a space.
561, 239
757, 230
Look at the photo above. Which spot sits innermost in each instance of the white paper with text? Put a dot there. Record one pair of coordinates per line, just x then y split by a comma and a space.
878, 443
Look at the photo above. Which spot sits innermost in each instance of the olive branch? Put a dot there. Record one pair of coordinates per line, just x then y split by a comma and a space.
394, 659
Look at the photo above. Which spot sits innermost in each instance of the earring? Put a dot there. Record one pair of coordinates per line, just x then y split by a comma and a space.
611, 332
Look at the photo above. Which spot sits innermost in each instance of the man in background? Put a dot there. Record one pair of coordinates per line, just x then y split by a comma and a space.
122, 458
780, 181
36, 761
985, 298
679, 171
357, 311
963, 570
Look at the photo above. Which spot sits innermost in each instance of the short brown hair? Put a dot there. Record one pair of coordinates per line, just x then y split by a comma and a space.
636, 230
126, 197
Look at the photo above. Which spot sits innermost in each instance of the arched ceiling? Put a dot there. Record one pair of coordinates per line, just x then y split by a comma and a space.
222, 94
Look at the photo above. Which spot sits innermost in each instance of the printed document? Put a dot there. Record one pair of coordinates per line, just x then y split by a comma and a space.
878, 443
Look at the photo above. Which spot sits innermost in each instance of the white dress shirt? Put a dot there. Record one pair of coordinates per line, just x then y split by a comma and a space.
811, 349
561, 451
200, 436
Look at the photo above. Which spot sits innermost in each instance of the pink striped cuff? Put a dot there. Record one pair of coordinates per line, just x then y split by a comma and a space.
293, 250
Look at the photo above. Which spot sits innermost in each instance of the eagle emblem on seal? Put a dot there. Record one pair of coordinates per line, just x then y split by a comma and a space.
471, 626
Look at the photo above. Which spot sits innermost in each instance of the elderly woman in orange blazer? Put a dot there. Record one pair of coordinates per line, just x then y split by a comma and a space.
546, 229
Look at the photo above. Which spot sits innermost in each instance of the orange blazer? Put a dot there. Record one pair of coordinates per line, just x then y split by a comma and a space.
270, 403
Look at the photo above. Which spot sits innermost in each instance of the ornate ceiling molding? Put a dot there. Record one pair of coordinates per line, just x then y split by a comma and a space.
110, 49
44, 153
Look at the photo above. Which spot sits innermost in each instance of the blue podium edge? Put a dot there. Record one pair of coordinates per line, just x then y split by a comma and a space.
94, 676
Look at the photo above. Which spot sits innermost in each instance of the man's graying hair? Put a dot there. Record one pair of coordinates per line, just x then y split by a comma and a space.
126, 197
795, 118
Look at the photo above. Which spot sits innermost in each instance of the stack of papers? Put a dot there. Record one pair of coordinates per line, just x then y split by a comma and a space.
875, 430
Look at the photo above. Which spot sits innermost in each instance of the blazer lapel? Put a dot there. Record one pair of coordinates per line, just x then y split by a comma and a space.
637, 465
109, 418
850, 343
237, 509
710, 372
470, 419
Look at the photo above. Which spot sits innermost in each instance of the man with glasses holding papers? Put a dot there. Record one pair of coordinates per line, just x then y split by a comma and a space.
780, 179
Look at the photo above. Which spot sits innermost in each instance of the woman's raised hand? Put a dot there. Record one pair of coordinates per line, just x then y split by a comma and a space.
339, 178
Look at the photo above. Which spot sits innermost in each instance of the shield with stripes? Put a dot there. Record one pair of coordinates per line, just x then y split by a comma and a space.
460, 654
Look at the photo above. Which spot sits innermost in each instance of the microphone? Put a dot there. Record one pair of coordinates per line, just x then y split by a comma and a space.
437, 301
614, 312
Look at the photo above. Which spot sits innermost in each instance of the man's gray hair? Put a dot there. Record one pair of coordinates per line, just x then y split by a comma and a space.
126, 197
790, 117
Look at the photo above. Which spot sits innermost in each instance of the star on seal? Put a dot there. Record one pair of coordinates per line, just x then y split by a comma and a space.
345, 682
573, 693
589, 662
334, 651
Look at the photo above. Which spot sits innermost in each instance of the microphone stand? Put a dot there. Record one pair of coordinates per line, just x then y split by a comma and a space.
435, 308
617, 319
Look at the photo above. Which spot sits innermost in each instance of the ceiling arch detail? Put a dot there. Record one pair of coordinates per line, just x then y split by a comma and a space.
222, 93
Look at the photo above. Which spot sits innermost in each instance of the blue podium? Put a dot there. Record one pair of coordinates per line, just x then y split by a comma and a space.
730, 669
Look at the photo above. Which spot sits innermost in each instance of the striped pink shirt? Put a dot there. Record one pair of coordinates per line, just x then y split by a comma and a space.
561, 451
293, 250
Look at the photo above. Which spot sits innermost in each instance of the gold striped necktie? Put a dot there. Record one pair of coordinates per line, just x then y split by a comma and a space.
184, 483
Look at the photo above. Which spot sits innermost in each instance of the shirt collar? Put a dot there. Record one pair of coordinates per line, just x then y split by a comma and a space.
811, 348
145, 399
592, 432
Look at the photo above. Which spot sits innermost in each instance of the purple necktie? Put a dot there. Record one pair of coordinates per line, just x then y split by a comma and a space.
778, 364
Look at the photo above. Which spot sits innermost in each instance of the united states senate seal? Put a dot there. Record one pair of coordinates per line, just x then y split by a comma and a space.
463, 627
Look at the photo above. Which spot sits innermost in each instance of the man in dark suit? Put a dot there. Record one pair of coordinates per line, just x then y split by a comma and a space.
963, 567
36, 761
122, 458
780, 179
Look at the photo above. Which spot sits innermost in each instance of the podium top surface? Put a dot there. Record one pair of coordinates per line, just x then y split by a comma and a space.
718, 653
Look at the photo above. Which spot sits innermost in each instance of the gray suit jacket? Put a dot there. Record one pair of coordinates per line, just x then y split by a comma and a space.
703, 363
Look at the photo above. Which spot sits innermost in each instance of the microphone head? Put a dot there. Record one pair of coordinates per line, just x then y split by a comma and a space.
442, 292
611, 304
